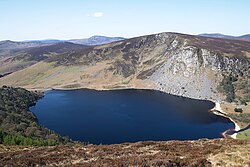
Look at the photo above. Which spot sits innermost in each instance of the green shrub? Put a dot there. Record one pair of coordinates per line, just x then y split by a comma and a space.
238, 110
228, 87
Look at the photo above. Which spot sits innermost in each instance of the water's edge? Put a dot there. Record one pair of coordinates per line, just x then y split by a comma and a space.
215, 110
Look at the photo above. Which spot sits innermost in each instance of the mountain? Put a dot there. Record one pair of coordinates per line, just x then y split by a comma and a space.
7, 44
247, 36
8, 47
218, 35
46, 41
54, 48
96, 40
215, 69
180, 64
199, 67
19, 59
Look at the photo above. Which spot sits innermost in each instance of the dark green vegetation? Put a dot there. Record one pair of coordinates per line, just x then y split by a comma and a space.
228, 87
18, 139
236, 87
18, 126
238, 110
241, 117
133, 58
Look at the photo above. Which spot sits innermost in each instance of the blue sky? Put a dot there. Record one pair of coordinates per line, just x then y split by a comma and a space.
69, 19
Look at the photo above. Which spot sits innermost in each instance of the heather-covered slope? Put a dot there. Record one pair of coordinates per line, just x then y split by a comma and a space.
218, 35
179, 64
197, 67
25, 57
220, 152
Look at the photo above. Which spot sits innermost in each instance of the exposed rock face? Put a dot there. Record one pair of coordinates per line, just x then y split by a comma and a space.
195, 72
179, 64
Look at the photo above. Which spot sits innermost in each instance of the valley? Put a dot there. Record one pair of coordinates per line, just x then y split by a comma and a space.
215, 69
195, 67
124, 83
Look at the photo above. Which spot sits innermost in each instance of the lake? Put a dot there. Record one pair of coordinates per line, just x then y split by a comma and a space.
117, 116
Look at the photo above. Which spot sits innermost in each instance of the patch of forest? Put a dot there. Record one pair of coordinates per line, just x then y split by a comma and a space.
18, 125
236, 88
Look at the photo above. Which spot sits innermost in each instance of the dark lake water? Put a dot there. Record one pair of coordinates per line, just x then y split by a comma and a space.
118, 116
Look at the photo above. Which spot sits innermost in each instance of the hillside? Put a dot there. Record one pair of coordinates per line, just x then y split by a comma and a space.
55, 48
19, 126
220, 152
23, 142
22, 58
192, 66
174, 63
218, 35
7, 44
185, 65
8, 47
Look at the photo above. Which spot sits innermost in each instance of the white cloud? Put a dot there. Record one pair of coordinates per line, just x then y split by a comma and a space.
96, 14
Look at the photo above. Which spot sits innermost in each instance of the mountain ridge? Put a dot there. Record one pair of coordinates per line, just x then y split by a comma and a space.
219, 35
93, 40
8, 47
215, 69
139, 58
96, 40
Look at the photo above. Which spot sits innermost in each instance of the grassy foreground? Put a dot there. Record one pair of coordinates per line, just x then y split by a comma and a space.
219, 152
245, 135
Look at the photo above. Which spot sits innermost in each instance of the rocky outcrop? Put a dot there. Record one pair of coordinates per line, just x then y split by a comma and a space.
196, 72
179, 64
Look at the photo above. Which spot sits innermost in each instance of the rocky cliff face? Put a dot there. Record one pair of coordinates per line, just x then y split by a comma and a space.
196, 72
179, 64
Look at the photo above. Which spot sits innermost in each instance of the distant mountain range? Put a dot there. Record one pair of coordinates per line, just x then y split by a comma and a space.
215, 69
96, 40
180, 64
10, 47
218, 35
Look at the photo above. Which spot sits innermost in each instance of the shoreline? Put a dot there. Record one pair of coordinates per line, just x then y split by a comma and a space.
215, 110
116, 89
218, 111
